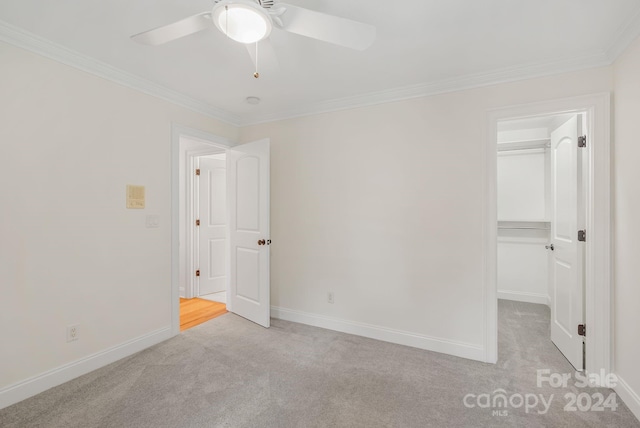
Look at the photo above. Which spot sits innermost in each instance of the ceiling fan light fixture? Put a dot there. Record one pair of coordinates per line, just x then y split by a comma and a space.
242, 21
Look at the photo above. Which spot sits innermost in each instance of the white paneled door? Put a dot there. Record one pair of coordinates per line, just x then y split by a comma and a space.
567, 262
248, 186
212, 232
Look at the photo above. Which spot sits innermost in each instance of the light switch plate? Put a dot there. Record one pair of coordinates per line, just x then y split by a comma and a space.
153, 221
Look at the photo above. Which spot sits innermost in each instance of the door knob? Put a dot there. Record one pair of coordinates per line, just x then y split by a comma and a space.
261, 242
549, 247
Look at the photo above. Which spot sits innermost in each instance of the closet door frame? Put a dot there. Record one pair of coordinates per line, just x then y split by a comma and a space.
598, 260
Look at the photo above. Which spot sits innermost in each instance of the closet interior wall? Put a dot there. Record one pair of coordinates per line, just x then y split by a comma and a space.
523, 213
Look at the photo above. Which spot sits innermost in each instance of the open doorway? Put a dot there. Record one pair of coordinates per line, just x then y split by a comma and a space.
195, 185
541, 171
233, 255
203, 243
596, 110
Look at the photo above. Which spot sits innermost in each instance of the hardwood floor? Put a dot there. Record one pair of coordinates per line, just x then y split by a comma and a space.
196, 311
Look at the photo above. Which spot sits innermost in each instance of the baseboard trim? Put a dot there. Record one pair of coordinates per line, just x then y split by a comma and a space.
522, 296
37, 384
629, 396
458, 349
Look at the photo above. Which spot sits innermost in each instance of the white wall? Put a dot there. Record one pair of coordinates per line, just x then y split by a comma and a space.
523, 266
522, 185
383, 206
522, 197
70, 252
626, 225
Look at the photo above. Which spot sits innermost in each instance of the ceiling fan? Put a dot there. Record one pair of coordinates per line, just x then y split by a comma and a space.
251, 21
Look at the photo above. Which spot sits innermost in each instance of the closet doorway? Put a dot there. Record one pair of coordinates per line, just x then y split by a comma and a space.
596, 109
542, 172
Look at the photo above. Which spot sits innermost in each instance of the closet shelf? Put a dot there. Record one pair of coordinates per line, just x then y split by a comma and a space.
524, 225
543, 143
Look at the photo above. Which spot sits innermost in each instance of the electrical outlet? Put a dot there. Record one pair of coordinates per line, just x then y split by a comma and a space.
330, 297
73, 332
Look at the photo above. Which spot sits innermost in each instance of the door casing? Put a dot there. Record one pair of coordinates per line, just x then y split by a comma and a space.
598, 249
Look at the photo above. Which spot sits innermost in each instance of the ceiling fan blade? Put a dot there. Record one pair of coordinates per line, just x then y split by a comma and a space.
328, 28
174, 31
267, 60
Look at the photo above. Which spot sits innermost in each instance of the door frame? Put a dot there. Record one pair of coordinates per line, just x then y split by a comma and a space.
598, 247
217, 144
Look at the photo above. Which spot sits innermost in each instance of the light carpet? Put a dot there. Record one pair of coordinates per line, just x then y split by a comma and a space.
230, 372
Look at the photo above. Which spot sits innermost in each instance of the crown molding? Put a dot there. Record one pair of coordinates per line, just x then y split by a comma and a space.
626, 34
506, 75
41, 46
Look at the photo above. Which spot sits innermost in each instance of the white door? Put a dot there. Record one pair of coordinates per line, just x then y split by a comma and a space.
248, 186
212, 231
566, 269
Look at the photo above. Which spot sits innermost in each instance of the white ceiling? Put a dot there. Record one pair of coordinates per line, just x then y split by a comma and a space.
422, 47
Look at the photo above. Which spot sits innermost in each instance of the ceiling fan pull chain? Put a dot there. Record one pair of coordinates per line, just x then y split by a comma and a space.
256, 74
226, 20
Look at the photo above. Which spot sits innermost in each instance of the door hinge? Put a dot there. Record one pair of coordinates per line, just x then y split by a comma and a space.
198, 222
198, 171
582, 141
198, 272
582, 235
582, 330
